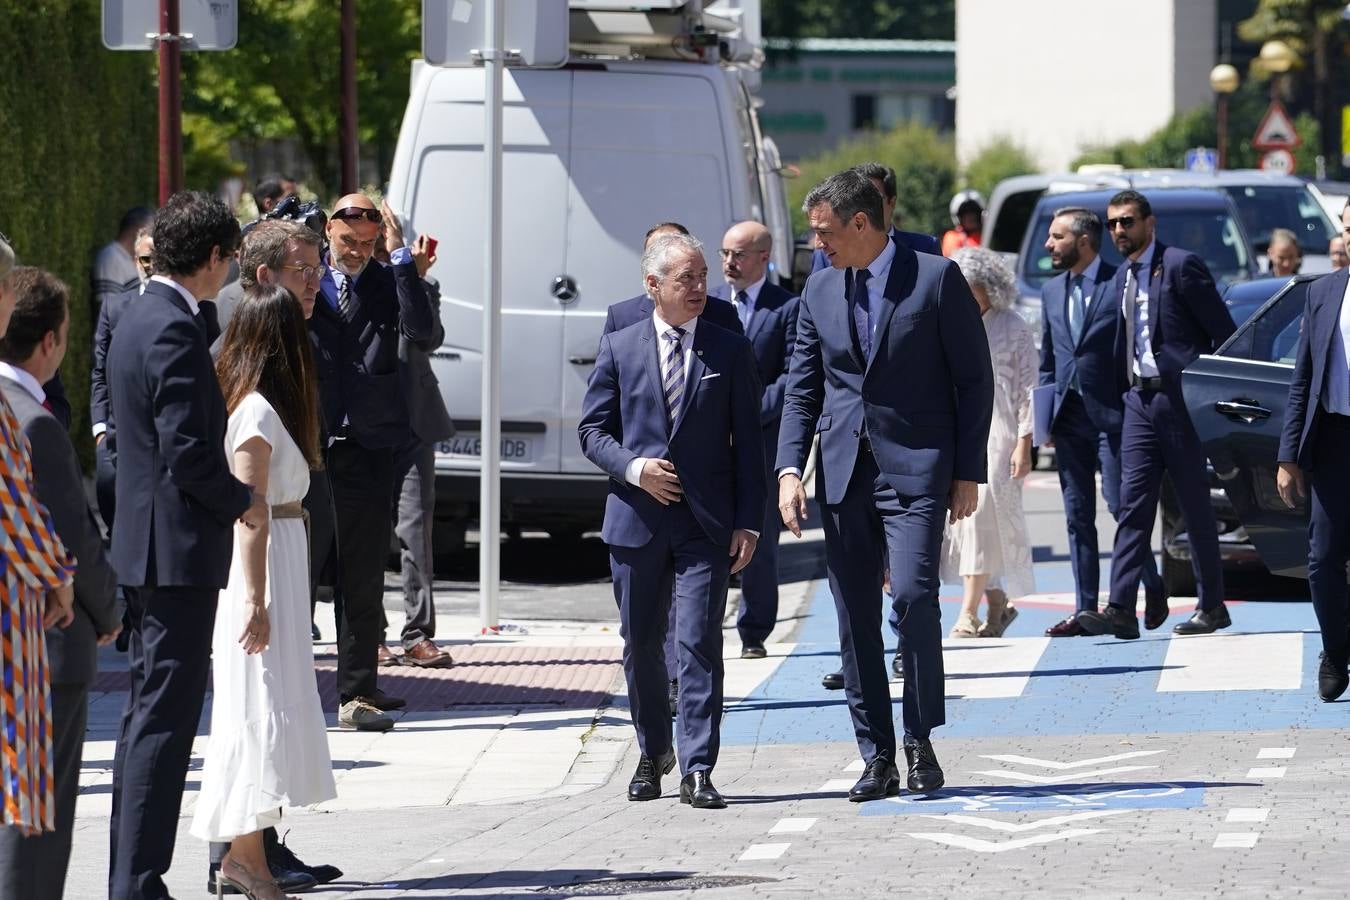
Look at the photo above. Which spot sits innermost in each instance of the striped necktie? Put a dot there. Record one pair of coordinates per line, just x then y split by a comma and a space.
345, 299
672, 372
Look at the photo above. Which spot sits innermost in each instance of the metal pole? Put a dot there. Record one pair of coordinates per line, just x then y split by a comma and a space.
170, 102
489, 493
1223, 131
347, 146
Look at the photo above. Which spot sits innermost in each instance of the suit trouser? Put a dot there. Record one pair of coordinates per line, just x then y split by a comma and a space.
105, 482
34, 868
362, 481
759, 580
679, 565
1156, 437
170, 656
1079, 450
415, 482
872, 520
1329, 535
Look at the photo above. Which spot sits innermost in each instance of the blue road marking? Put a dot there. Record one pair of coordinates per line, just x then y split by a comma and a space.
1047, 798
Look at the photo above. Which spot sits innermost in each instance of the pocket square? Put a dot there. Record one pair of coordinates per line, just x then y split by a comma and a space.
711, 375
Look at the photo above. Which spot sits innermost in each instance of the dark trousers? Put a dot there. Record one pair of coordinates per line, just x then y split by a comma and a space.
362, 481
871, 523
1157, 436
105, 482
169, 658
1329, 535
34, 868
758, 611
415, 482
1079, 450
680, 562
323, 549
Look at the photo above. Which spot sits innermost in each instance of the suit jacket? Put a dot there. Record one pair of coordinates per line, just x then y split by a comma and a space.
176, 499
357, 361
59, 486
772, 334
925, 397
56, 396
1092, 358
1186, 316
1303, 412
427, 415
226, 301
640, 308
109, 314
914, 240
716, 443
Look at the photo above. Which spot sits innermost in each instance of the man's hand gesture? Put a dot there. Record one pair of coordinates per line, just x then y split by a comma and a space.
792, 502
659, 480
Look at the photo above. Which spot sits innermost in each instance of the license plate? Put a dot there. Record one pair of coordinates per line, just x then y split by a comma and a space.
470, 446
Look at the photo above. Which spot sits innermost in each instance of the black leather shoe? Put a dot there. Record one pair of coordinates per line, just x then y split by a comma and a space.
674, 698
288, 881
833, 681
925, 775
1332, 678
881, 779
1156, 610
1205, 621
697, 790
280, 855
1112, 620
753, 651
646, 783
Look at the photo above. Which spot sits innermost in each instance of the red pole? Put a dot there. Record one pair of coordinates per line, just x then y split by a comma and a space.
347, 128
170, 102
1223, 131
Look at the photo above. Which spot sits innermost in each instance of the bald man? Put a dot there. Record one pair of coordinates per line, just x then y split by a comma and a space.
768, 315
363, 307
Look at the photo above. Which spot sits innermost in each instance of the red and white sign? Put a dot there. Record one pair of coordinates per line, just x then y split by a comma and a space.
1276, 131
1278, 162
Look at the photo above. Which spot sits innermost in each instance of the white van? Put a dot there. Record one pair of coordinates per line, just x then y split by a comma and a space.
594, 154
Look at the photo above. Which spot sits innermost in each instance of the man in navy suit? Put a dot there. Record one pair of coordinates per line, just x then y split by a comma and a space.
171, 546
362, 311
1170, 313
883, 177
1316, 442
672, 414
1078, 345
768, 313
892, 368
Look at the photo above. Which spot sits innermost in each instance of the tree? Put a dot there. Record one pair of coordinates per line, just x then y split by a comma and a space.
911, 19
1001, 158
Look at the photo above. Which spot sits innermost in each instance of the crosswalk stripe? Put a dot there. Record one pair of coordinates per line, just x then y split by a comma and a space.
1233, 662
987, 669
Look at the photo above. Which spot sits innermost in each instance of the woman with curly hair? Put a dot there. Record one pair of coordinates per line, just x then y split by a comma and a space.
989, 550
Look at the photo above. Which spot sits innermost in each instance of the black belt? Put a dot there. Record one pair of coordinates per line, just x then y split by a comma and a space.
1147, 384
1335, 420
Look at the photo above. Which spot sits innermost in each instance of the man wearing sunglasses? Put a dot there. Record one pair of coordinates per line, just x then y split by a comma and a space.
1170, 313
361, 311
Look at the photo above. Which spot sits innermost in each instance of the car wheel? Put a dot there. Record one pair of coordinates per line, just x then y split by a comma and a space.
1177, 575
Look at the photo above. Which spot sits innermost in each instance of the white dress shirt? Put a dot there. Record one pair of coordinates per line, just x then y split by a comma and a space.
186, 294
26, 379
1143, 364
1336, 389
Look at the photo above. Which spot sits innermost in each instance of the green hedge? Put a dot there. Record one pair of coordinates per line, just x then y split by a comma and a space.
77, 149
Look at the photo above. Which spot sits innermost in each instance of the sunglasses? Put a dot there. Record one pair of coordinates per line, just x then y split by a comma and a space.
357, 212
1126, 222
144, 260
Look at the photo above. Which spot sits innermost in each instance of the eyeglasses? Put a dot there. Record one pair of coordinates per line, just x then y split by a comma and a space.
306, 272
144, 260
737, 255
1126, 222
357, 212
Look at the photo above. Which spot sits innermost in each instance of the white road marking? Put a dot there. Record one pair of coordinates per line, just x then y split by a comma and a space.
1236, 839
1018, 827
856, 766
757, 852
1059, 779
835, 784
1277, 753
1267, 772
979, 666
1247, 814
792, 826
983, 846
1077, 764
1233, 662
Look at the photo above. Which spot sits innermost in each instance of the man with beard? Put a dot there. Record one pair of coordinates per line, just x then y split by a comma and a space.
1078, 338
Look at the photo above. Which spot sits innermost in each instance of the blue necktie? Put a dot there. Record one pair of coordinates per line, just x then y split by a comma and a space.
862, 311
1077, 313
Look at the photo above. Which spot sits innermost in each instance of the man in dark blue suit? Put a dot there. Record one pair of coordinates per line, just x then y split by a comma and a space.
171, 546
672, 414
883, 177
1078, 345
768, 313
892, 369
1170, 313
1316, 442
362, 310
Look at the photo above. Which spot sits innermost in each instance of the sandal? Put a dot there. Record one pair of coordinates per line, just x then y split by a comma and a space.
967, 626
1005, 618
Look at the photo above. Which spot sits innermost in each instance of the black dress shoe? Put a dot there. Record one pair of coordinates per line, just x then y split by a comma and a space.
1205, 621
833, 681
288, 881
925, 775
1332, 678
1069, 627
280, 855
753, 651
646, 783
881, 779
697, 790
1156, 610
1112, 620
674, 698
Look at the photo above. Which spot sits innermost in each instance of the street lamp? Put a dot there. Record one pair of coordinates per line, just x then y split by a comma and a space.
1277, 57
1223, 78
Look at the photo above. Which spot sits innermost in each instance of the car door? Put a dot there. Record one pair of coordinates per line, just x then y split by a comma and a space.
1236, 398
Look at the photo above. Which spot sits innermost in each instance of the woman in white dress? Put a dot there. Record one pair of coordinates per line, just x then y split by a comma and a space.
268, 747
989, 550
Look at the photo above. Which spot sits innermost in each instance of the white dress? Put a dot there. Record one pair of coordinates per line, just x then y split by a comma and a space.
994, 540
268, 747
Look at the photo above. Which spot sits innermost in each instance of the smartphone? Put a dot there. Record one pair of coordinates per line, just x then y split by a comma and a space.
431, 246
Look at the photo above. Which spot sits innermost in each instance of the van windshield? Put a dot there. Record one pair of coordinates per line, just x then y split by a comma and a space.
1210, 233
1284, 206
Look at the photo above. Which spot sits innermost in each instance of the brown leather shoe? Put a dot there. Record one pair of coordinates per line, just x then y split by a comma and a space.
427, 655
1067, 628
386, 657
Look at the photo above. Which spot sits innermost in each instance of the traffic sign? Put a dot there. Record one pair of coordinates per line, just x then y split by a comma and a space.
1276, 131
1280, 162
203, 24
1202, 159
537, 32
